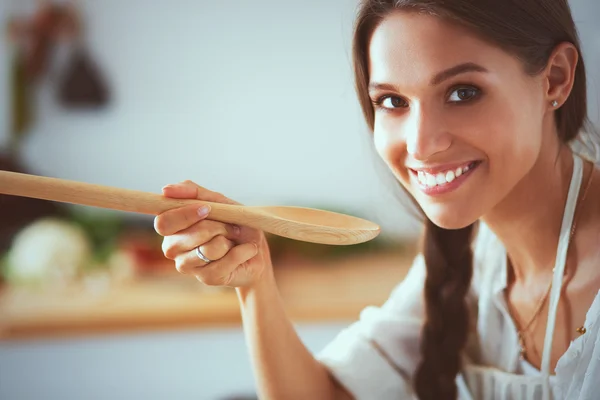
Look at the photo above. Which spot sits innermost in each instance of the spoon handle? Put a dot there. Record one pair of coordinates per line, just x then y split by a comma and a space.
87, 194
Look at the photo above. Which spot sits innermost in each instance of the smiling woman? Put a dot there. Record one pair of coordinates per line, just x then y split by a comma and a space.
453, 99
475, 107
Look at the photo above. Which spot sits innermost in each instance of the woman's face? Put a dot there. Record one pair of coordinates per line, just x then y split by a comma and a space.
457, 120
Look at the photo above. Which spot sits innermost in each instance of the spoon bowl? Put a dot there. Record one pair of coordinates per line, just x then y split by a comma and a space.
314, 225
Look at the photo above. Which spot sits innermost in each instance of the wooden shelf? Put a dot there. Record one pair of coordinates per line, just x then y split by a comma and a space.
328, 291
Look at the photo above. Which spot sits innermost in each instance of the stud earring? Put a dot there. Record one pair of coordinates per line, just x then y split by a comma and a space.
554, 103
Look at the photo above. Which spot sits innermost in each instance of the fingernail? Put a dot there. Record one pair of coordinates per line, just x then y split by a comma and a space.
203, 211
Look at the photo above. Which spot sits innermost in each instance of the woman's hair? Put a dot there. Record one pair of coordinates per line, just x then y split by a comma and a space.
529, 30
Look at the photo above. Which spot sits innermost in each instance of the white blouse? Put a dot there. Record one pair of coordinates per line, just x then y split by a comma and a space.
375, 357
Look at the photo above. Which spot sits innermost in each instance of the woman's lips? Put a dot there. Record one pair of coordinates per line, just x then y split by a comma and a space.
435, 181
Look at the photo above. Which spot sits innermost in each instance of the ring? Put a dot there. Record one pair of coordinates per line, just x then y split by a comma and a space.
202, 256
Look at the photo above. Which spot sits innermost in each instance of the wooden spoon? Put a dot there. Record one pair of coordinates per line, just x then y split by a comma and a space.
306, 224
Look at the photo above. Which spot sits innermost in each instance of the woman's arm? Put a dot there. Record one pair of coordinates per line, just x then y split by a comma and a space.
284, 368
373, 358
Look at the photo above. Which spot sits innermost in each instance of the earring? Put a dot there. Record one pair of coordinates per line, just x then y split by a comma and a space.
554, 103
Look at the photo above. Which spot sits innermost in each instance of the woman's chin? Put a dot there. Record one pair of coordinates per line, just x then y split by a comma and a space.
448, 218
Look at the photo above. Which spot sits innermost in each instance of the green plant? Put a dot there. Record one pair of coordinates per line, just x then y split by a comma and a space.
103, 230
4, 266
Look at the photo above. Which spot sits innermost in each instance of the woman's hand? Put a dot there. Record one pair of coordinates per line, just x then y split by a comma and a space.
240, 255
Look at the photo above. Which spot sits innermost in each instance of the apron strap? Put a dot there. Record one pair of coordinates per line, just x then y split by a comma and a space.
559, 268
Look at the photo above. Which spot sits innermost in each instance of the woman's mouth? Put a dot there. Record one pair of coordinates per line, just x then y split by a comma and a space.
444, 181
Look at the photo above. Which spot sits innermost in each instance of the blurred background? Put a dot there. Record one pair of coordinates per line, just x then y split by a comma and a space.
253, 99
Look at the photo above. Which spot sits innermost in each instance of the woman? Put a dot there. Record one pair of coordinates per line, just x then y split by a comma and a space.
475, 107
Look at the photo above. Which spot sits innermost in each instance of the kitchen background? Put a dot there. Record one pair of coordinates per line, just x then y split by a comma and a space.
253, 99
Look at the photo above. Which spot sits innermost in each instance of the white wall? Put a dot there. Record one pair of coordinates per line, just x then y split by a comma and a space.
586, 14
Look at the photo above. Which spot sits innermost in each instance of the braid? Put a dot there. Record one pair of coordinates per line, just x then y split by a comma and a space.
448, 258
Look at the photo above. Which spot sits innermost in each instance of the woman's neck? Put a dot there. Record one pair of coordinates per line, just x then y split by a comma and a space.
529, 219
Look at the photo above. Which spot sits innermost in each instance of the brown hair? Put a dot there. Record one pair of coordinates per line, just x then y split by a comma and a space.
530, 30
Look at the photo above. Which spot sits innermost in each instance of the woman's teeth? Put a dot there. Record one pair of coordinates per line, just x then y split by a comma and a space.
441, 178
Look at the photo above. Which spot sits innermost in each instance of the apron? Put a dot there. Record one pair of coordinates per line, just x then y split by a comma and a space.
482, 382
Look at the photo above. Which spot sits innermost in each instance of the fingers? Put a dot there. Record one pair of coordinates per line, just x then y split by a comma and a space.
187, 228
190, 190
173, 221
199, 233
178, 219
223, 271
220, 272
215, 249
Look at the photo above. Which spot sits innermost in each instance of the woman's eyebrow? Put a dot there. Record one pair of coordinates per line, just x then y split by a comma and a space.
438, 78
456, 70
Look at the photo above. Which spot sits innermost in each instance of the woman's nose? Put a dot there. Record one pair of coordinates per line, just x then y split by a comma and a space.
425, 134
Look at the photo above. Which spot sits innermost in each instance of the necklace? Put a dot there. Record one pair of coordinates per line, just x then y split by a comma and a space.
581, 330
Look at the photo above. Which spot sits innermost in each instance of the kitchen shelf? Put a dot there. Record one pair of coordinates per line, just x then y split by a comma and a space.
330, 290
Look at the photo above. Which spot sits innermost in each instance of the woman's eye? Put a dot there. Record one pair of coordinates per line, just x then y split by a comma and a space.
463, 94
391, 102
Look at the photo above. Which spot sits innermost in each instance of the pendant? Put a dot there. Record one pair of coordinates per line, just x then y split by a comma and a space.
581, 330
521, 347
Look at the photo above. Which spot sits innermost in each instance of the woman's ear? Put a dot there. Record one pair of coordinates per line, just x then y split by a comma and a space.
560, 73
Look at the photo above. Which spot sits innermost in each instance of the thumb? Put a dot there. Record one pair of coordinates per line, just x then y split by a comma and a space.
191, 190
183, 190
